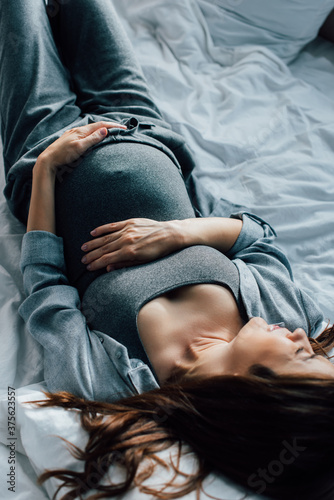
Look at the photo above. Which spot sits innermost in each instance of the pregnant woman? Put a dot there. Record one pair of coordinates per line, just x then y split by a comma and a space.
167, 324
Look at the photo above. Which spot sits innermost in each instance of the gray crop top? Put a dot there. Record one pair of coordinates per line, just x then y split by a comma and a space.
112, 301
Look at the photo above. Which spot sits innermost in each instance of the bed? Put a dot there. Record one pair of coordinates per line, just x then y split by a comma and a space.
257, 110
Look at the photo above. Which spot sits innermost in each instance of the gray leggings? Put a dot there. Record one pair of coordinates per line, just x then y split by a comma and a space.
82, 70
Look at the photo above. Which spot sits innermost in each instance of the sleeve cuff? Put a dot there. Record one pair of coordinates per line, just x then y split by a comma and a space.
253, 228
42, 247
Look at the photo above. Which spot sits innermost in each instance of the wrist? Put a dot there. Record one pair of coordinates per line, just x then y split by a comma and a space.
182, 233
44, 166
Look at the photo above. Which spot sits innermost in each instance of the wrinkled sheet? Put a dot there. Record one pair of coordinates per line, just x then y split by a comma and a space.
263, 136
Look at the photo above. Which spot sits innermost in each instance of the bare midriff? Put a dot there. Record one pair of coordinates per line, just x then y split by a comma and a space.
169, 323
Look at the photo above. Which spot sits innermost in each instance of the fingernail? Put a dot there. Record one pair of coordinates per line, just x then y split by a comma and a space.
103, 132
89, 267
84, 247
84, 260
93, 232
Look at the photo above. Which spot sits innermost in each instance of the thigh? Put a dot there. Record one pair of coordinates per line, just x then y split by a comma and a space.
100, 58
35, 96
116, 182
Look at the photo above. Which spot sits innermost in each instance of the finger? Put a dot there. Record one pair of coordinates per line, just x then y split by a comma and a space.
92, 139
93, 244
111, 124
92, 127
97, 243
114, 258
100, 252
107, 228
119, 265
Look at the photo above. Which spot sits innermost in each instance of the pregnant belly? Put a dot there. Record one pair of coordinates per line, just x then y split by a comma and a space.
112, 183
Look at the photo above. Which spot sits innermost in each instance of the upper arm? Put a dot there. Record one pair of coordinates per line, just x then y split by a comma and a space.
254, 229
74, 358
53, 319
255, 245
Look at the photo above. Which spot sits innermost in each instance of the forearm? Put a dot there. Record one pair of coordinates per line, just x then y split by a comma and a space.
42, 203
65, 150
217, 232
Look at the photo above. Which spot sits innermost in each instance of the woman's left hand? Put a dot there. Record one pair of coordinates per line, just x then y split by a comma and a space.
75, 142
129, 243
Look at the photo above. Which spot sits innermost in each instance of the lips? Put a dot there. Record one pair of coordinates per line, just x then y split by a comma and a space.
276, 326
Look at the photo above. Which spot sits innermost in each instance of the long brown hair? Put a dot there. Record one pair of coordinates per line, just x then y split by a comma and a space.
272, 434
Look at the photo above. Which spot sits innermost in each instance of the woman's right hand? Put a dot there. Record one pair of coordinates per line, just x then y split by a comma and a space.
75, 142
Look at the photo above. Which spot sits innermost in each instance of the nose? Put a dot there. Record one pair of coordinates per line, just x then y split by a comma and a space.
297, 335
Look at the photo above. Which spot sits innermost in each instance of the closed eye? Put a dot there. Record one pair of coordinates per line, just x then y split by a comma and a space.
314, 356
311, 357
299, 350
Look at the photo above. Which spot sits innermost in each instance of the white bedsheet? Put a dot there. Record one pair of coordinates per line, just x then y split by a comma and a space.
263, 136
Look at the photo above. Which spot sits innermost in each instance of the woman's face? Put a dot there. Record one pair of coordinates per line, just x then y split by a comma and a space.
283, 351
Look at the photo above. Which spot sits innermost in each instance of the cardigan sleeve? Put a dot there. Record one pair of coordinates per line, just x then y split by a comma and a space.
76, 359
266, 279
253, 229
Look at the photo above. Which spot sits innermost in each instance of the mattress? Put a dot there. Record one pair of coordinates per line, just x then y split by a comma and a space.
262, 133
